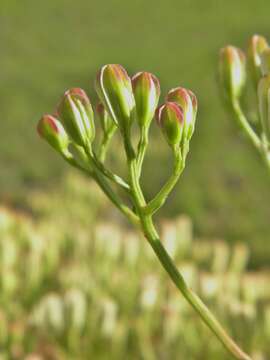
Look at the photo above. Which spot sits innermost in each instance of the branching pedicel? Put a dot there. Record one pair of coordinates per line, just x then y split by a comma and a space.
233, 76
125, 101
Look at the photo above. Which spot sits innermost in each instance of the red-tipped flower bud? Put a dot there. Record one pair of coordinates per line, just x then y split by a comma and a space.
232, 70
76, 114
114, 89
51, 130
188, 102
105, 121
170, 118
264, 104
257, 45
146, 91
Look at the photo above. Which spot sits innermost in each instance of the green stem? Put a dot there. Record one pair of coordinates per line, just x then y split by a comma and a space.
109, 174
105, 144
126, 211
167, 263
244, 124
261, 147
115, 199
265, 152
197, 304
156, 203
142, 149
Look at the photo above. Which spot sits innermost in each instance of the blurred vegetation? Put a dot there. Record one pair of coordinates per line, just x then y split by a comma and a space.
75, 282
49, 46
82, 289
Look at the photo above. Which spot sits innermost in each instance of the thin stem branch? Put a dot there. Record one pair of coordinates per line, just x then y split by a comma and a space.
105, 144
115, 199
126, 211
142, 146
155, 204
106, 172
259, 144
244, 124
109, 174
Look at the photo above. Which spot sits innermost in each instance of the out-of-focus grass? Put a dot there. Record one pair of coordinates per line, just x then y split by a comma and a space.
49, 46
72, 287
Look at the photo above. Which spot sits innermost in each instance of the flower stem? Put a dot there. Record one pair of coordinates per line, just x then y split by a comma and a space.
94, 174
105, 144
258, 143
142, 146
155, 204
197, 304
245, 125
151, 235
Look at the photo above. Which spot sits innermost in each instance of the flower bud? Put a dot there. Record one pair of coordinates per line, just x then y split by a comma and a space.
264, 104
146, 91
76, 114
170, 118
188, 102
232, 71
265, 62
257, 45
106, 122
114, 89
50, 129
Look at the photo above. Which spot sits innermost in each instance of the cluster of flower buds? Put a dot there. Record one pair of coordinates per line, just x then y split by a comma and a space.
73, 122
177, 116
233, 71
123, 100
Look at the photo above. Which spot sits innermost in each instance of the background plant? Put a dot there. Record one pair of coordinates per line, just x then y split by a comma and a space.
225, 188
70, 307
224, 181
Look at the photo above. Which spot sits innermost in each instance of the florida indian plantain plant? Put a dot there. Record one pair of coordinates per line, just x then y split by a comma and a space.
123, 101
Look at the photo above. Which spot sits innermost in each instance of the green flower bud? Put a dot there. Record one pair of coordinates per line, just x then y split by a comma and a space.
232, 71
146, 91
114, 89
51, 130
264, 104
257, 45
188, 102
265, 62
107, 124
170, 118
76, 114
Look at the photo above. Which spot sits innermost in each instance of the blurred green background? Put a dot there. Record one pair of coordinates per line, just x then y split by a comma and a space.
50, 46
